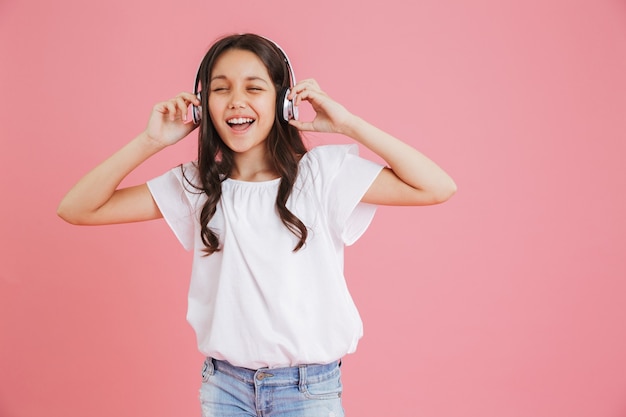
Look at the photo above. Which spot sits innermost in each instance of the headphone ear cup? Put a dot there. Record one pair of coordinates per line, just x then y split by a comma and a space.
196, 111
286, 109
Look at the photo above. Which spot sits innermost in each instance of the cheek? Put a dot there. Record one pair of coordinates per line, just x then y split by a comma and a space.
211, 102
214, 109
268, 105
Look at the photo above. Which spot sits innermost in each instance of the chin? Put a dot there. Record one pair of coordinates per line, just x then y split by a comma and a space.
244, 147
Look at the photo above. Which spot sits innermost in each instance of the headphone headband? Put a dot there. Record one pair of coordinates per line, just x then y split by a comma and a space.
292, 76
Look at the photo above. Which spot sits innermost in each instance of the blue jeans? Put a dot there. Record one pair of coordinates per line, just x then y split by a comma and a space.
299, 391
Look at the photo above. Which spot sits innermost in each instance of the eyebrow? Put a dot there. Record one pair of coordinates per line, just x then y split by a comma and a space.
250, 78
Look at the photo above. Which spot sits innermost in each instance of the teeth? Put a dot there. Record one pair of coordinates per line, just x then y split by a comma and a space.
239, 121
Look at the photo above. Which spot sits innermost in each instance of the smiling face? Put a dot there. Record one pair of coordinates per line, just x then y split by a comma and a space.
242, 102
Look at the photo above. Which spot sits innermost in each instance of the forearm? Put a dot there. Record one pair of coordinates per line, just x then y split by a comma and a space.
97, 187
410, 165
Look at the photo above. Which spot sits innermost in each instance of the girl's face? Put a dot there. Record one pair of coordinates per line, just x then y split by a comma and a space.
242, 101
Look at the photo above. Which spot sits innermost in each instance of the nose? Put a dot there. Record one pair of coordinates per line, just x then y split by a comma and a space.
237, 100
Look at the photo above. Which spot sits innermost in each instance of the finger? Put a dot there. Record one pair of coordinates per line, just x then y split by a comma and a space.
302, 126
190, 98
305, 85
182, 107
171, 109
310, 82
160, 107
309, 95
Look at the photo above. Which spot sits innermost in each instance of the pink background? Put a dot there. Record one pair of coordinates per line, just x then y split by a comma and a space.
507, 301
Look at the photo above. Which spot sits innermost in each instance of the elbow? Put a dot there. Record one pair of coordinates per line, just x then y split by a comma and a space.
65, 212
445, 192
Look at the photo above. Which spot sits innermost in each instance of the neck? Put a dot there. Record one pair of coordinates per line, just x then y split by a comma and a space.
253, 168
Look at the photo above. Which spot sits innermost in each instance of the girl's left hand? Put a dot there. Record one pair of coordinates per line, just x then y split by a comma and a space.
330, 117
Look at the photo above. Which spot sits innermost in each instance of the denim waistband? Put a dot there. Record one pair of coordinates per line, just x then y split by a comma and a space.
294, 375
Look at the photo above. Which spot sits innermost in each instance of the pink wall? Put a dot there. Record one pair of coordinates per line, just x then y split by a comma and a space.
508, 301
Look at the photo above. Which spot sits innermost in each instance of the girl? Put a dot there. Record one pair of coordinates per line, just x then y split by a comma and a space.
267, 221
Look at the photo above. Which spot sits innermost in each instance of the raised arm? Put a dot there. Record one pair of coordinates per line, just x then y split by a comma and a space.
411, 179
96, 198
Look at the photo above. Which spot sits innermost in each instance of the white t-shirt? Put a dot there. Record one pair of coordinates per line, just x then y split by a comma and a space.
256, 303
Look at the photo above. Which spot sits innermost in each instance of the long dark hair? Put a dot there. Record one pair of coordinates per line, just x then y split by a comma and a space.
215, 160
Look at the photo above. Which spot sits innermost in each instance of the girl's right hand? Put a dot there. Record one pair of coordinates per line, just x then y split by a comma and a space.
168, 122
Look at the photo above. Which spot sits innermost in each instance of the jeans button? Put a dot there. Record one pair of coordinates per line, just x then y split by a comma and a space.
262, 375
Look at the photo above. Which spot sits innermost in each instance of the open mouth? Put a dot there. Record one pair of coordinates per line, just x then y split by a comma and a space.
239, 123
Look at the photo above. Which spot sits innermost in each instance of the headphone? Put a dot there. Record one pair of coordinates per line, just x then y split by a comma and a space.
287, 110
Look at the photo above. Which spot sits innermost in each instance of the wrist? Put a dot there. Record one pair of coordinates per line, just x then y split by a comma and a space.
351, 126
149, 143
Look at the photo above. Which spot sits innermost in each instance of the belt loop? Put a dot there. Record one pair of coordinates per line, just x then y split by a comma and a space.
302, 374
208, 369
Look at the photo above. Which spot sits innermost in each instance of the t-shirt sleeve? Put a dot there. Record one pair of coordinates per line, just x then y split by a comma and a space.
348, 178
171, 192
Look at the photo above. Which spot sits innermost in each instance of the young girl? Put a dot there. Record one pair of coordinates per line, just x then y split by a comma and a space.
267, 220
